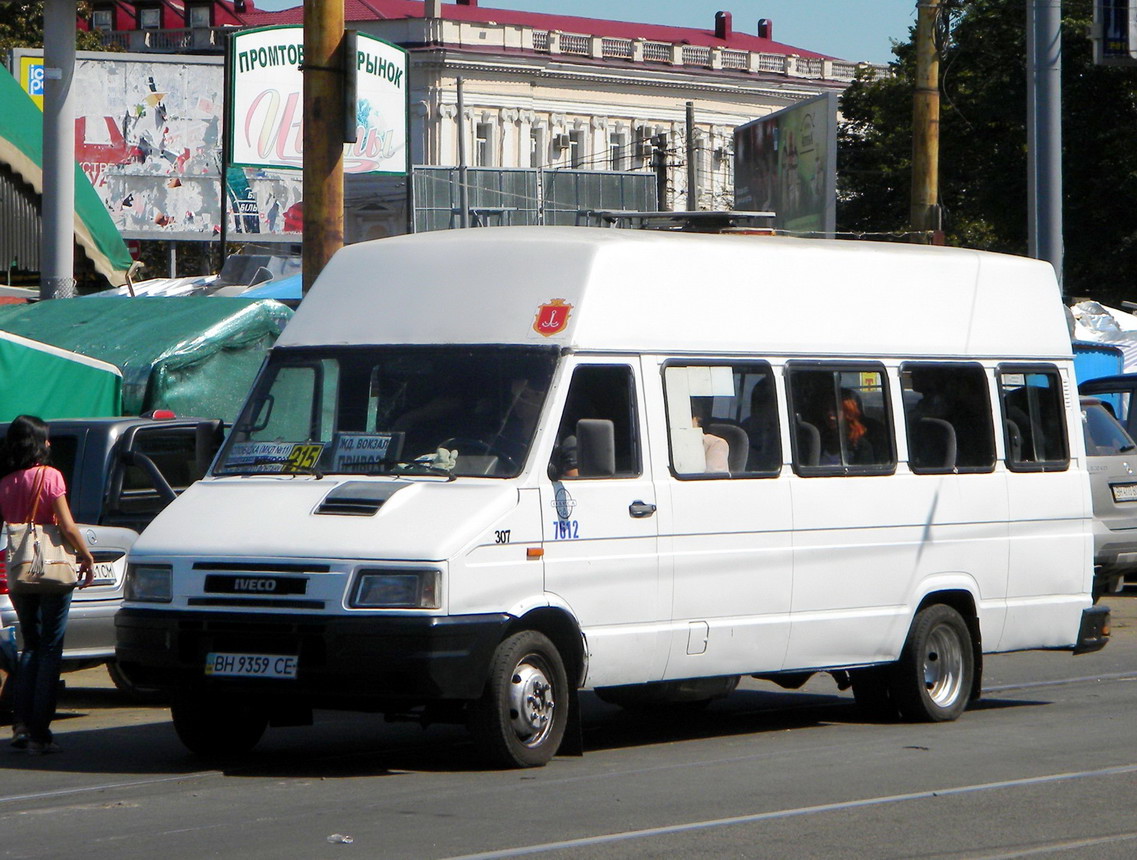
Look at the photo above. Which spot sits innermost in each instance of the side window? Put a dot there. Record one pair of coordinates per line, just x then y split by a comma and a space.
174, 453
598, 435
947, 410
841, 422
134, 500
1034, 426
722, 420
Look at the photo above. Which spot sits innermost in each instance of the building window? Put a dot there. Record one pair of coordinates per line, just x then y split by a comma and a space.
576, 148
536, 146
199, 17
150, 19
102, 20
483, 144
618, 151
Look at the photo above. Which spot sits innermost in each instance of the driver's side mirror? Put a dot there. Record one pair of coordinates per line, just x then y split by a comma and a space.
596, 447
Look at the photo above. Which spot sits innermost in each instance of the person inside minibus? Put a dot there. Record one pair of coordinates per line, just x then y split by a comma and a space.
844, 436
716, 450
761, 427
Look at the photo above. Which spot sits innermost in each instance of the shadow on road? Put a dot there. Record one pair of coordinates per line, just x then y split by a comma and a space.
352, 745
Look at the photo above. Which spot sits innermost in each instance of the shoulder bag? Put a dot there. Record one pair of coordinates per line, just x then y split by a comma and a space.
40, 560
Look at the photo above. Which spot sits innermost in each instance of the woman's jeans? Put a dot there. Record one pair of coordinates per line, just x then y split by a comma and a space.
43, 621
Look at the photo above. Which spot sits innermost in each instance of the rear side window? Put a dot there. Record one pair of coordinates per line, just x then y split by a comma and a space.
947, 412
1104, 435
1034, 423
722, 420
841, 421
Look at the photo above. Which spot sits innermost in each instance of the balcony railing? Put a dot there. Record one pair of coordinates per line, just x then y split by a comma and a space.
212, 40
197, 39
695, 56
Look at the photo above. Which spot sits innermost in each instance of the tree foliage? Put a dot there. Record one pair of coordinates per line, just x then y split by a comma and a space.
21, 26
983, 145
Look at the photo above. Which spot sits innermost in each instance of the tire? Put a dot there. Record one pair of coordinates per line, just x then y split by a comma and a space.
521, 717
216, 727
873, 694
931, 682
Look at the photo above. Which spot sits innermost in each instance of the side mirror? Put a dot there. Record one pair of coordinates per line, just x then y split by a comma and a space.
596, 447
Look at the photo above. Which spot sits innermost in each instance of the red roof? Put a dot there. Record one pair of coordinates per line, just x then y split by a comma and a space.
382, 10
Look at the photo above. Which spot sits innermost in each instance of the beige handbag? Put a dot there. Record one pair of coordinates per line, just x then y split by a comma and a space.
40, 560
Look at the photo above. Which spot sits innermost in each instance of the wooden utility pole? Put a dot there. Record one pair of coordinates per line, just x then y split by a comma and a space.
323, 134
926, 124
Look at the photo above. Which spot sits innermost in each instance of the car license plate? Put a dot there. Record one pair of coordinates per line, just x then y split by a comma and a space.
220, 665
104, 573
1124, 492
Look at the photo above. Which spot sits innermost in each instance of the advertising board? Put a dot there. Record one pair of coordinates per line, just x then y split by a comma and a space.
787, 162
266, 102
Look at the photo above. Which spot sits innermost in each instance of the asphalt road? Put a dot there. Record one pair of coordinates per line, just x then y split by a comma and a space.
1044, 766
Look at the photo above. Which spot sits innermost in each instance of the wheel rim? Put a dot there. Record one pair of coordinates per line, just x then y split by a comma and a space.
531, 702
943, 666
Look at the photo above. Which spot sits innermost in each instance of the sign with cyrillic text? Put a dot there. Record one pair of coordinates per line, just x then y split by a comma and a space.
267, 103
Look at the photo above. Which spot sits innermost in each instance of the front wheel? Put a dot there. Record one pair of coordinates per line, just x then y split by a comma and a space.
520, 719
932, 680
218, 727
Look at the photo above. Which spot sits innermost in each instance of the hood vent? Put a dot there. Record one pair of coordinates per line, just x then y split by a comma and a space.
358, 498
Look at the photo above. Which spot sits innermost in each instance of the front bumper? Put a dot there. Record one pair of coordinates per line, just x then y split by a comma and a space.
364, 663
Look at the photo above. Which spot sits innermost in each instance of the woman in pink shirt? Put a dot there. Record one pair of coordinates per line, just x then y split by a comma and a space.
42, 615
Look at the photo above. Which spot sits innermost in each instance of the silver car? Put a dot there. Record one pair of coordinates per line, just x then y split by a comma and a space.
1113, 485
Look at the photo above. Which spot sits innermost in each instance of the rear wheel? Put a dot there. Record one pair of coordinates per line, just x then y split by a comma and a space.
932, 680
218, 727
520, 719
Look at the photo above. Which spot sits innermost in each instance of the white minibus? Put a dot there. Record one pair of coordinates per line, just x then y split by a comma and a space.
484, 470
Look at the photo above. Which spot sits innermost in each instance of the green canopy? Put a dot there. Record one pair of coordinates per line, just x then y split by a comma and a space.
42, 380
196, 355
21, 147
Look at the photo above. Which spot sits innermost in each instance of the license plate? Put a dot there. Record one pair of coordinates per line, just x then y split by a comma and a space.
1124, 492
218, 665
104, 573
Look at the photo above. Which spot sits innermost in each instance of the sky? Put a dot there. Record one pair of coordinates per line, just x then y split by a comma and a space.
856, 30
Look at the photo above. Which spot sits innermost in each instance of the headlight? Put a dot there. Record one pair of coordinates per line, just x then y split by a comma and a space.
398, 589
149, 583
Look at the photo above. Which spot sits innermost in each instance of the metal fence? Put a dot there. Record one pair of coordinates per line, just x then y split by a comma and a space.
505, 196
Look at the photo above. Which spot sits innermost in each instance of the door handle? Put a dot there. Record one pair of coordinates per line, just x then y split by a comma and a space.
640, 509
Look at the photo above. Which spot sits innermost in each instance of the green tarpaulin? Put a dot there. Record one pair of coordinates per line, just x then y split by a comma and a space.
43, 380
21, 148
196, 356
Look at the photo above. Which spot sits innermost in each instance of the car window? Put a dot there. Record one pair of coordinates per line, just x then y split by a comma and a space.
1104, 435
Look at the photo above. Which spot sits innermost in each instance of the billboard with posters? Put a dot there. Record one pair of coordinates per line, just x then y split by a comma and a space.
266, 102
786, 162
148, 130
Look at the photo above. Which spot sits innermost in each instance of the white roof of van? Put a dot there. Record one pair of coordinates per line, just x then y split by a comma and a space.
650, 291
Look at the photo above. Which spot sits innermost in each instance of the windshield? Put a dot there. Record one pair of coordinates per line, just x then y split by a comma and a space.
451, 410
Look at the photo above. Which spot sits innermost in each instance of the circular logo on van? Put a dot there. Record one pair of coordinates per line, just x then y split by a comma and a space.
563, 502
